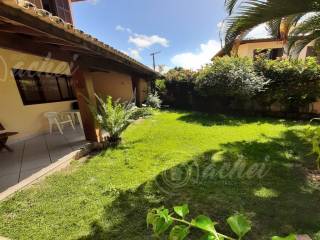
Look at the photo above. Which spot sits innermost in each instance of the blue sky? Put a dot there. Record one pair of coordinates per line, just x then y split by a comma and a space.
185, 31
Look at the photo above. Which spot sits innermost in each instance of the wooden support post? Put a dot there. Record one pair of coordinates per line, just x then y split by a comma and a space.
136, 89
84, 88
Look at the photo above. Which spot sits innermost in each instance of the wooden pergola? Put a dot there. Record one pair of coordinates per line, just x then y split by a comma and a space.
30, 30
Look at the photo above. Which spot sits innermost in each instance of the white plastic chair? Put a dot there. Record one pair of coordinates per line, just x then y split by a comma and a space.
58, 119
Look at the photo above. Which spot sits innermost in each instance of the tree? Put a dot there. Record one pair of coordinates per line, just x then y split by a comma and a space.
250, 14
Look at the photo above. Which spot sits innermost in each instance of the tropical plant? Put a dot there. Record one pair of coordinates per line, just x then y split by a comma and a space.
282, 27
162, 219
153, 100
113, 116
250, 14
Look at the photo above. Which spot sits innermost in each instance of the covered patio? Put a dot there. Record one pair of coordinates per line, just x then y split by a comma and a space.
55, 66
33, 155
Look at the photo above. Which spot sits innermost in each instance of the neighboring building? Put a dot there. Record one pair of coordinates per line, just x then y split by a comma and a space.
250, 47
46, 64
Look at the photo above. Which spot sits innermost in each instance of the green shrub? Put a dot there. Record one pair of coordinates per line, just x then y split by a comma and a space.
114, 117
153, 100
179, 74
293, 83
241, 84
179, 84
230, 77
160, 85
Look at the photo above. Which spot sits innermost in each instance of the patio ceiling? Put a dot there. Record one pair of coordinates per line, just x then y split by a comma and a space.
28, 29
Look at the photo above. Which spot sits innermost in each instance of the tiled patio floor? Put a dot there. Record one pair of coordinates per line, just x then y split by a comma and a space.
34, 154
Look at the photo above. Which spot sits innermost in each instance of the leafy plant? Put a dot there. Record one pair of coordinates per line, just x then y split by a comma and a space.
314, 136
290, 237
153, 100
161, 220
114, 117
230, 77
293, 83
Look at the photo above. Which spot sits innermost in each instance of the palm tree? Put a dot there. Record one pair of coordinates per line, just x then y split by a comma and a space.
251, 13
277, 28
282, 27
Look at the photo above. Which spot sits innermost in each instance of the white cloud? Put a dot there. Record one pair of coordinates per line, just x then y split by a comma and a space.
258, 32
135, 54
194, 60
143, 41
120, 28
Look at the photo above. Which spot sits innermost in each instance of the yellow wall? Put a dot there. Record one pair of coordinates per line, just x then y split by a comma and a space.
247, 50
27, 120
114, 84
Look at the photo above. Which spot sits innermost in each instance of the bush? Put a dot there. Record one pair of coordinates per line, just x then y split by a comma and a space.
230, 77
114, 117
179, 84
241, 84
293, 83
160, 85
153, 100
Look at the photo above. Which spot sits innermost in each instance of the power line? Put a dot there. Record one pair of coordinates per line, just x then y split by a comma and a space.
153, 58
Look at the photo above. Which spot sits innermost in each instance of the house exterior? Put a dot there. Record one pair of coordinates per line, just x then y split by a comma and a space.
250, 47
46, 64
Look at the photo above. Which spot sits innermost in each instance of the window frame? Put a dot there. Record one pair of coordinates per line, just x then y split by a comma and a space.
40, 91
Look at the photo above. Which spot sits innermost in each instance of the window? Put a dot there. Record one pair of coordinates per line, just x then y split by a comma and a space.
37, 87
273, 53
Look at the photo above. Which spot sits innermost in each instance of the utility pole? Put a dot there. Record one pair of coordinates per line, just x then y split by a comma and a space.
153, 58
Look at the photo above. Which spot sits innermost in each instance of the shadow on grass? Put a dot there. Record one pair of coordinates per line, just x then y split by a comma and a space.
280, 202
221, 119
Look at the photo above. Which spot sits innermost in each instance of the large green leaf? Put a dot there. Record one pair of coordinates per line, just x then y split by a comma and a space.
239, 224
160, 225
204, 223
179, 232
211, 237
150, 218
290, 237
182, 211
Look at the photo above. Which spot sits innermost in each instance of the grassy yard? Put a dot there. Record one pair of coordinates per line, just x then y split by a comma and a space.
108, 196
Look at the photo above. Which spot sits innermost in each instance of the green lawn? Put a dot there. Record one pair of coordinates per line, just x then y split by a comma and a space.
108, 196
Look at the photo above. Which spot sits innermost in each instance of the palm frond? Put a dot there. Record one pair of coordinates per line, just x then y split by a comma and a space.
306, 32
273, 27
230, 5
254, 12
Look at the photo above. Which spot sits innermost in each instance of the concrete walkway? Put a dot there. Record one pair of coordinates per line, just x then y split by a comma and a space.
32, 155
